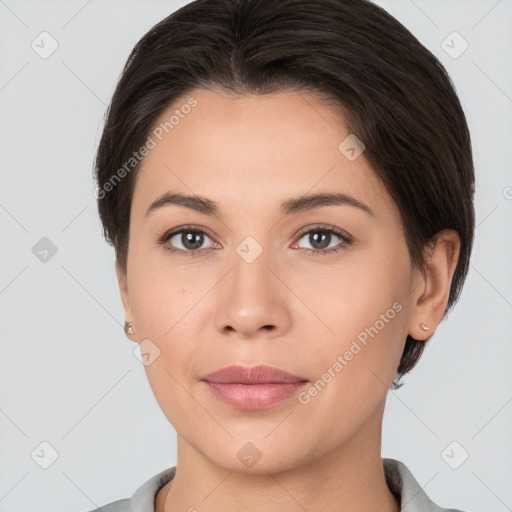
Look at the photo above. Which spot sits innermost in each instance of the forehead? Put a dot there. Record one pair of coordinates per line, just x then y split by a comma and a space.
252, 148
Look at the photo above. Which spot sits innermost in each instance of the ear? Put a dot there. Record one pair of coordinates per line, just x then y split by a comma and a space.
431, 297
123, 289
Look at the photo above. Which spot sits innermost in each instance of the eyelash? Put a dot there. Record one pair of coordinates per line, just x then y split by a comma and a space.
346, 240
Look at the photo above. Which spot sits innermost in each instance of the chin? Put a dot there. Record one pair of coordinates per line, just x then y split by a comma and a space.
254, 456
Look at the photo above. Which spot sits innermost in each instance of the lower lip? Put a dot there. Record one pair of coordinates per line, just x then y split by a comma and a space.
254, 396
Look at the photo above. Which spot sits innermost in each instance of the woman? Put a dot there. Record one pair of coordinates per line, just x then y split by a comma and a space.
289, 190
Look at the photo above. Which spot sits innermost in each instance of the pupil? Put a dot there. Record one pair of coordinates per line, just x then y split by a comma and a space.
313, 238
188, 239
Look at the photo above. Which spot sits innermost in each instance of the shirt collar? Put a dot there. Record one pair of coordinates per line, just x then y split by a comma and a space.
400, 481
406, 488
144, 498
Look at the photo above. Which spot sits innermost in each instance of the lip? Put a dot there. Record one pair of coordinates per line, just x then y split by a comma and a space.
256, 387
262, 374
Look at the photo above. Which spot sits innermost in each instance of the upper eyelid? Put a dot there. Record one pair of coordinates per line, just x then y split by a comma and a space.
173, 232
322, 227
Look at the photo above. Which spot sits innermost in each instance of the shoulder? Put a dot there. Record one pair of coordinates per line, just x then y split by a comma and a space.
115, 506
143, 500
406, 488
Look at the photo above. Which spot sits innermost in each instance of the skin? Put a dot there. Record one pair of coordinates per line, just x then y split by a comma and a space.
289, 309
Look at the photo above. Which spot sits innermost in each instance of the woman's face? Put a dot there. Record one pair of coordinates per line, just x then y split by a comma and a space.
267, 284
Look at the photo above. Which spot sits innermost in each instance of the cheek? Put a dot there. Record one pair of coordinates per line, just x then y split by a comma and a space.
158, 295
353, 371
358, 294
171, 373
366, 349
364, 304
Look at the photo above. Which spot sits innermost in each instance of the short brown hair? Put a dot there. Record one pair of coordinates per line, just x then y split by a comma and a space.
393, 93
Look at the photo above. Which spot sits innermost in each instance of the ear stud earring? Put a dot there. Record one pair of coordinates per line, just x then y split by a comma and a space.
424, 327
128, 328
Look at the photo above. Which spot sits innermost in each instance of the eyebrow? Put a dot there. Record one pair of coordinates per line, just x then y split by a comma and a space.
288, 207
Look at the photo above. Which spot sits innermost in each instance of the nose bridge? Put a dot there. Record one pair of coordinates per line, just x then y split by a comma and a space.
251, 255
250, 273
253, 297
251, 280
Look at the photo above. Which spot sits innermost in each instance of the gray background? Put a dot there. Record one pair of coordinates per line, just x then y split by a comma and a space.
68, 374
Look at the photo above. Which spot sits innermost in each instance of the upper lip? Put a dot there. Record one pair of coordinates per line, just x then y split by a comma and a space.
251, 375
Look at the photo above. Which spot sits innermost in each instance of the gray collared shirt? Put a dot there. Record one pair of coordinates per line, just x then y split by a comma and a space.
400, 481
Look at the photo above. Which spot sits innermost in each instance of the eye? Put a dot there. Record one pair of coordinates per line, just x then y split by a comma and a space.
187, 241
321, 238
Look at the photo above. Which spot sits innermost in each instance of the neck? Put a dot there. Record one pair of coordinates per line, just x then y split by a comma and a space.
348, 477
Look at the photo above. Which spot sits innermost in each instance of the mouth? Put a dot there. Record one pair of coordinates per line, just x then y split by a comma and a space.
257, 387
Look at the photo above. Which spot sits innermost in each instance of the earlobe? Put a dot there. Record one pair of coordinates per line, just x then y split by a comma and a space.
430, 304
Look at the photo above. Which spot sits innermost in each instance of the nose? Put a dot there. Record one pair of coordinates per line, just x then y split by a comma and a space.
252, 300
